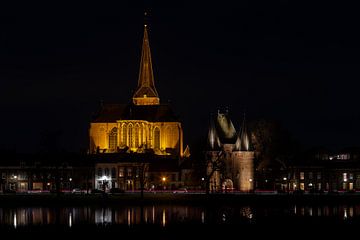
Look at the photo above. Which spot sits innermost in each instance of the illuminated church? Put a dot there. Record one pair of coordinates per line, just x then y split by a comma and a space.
140, 140
143, 125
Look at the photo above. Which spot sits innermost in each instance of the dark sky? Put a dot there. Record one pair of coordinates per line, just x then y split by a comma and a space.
294, 62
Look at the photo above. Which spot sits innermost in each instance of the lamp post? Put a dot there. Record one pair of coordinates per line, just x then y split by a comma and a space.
70, 180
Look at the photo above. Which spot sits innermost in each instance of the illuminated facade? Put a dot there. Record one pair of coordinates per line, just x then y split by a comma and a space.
230, 158
140, 142
143, 125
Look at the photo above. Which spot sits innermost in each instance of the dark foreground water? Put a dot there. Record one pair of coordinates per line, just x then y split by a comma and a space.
176, 221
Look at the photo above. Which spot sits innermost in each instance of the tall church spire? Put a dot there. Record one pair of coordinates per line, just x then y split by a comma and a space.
146, 93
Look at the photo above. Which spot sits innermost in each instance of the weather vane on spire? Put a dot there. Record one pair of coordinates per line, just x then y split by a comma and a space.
146, 18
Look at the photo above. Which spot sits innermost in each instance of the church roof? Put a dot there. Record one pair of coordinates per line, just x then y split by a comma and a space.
243, 142
225, 128
151, 113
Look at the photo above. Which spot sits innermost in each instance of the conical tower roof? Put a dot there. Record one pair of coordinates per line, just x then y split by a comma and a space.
243, 142
146, 93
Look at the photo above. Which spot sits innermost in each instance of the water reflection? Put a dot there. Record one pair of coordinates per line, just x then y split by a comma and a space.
167, 215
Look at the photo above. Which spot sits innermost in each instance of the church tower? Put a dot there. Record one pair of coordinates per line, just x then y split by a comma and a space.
243, 159
146, 93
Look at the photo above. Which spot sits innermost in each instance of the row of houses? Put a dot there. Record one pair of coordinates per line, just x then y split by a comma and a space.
314, 172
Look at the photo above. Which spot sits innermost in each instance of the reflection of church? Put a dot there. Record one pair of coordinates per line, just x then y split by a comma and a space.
230, 158
124, 135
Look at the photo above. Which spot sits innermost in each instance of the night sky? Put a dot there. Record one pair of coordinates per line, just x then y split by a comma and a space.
297, 63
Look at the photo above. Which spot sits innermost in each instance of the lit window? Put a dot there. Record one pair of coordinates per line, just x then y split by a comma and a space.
129, 172
302, 175
345, 177
121, 172
351, 176
302, 186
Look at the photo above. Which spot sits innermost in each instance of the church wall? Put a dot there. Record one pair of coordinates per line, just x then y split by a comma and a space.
99, 136
137, 133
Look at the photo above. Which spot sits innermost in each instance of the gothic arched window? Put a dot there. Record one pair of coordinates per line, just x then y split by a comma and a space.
137, 132
131, 140
113, 139
124, 134
157, 138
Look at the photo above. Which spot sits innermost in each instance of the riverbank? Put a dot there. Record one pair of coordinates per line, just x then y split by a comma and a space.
171, 198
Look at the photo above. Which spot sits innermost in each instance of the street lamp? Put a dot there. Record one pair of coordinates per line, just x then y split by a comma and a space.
70, 179
164, 180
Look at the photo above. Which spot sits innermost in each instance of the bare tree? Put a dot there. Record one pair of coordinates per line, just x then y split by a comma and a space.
214, 165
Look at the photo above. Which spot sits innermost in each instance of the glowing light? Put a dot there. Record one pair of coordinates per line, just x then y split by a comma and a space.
70, 179
15, 220
163, 218
250, 180
15, 177
163, 179
284, 178
310, 184
70, 219
103, 178
202, 179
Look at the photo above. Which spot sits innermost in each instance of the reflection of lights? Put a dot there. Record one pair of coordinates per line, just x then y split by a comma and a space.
129, 216
202, 217
345, 213
15, 220
351, 211
153, 214
70, 219
163, 218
